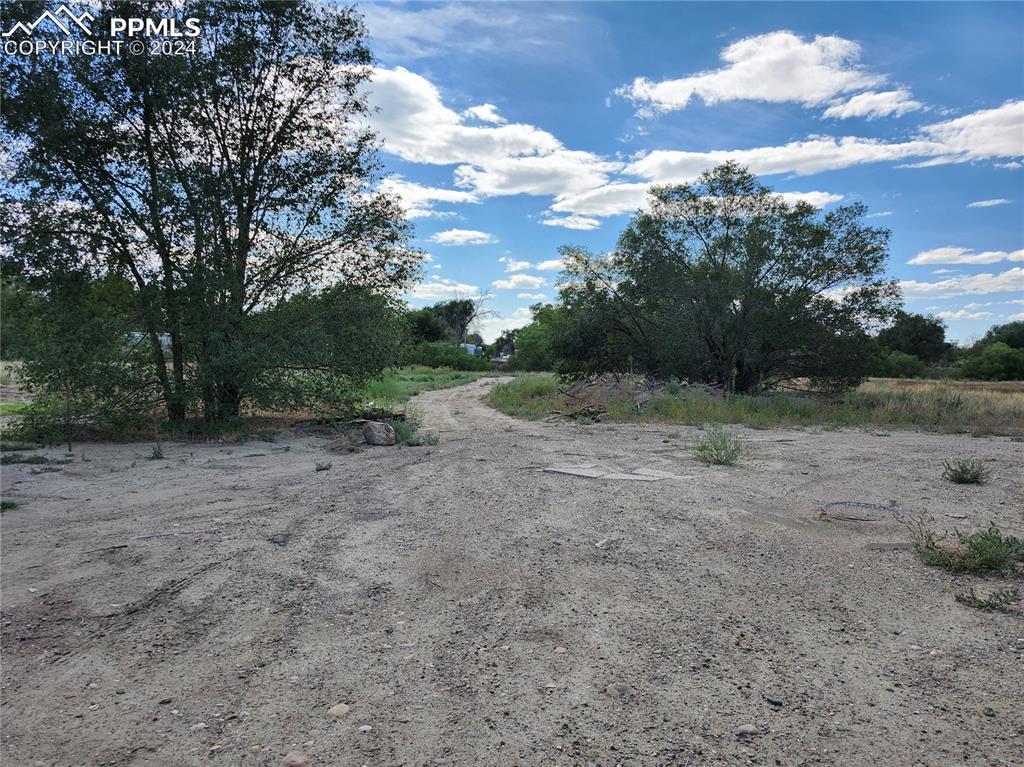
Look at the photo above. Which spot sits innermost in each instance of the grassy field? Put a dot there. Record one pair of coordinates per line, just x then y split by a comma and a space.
397, 386
974, 407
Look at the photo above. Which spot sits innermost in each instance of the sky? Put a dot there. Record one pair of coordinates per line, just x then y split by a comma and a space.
510, 129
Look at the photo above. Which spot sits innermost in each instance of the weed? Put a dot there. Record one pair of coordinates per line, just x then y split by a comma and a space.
157, 454
1000, 600
14, 408
8, 505
408, 433
983, 551
267, 435
324, 466
19, 458
8, 447
966, 471
718, 447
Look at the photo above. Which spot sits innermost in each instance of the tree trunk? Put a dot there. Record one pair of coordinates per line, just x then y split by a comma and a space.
221, 401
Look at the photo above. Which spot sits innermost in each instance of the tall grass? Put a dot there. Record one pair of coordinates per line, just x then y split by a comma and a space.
399, 385
930, 405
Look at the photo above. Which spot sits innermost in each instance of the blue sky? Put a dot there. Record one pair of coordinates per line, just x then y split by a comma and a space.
510, 129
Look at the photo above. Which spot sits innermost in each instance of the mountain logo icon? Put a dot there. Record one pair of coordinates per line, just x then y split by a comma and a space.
63, 18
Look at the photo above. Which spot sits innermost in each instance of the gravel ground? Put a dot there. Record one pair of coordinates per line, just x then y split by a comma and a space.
470, 608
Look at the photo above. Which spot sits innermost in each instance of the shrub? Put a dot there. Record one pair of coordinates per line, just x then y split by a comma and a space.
157, 453
444, 355
7, 505
408, 433
19, 458
323, 466
1000, 600
966, 472
994, 362
983, 551
718, 447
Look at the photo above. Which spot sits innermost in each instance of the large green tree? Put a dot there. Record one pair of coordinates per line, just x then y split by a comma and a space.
722, 280
922, 336
221, 181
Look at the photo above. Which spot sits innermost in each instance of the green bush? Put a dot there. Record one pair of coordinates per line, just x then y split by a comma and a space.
967, 471
980, 552
897, 364
995, 362
1000, 600
718, 447
444, 355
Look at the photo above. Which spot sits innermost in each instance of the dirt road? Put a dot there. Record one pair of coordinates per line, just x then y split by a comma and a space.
472, 609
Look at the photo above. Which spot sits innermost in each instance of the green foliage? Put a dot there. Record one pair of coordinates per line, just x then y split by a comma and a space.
981, 552
19, 458
999, 600
996, 361
455, 316
534, 344
9, 447
898, 364
157, 453
965, 471
220, 184
424, 326
445, 355
8, 505
326, 466
718, 447
722, 281
1011, 334
77, 352
408, 433
14, 408
916, 335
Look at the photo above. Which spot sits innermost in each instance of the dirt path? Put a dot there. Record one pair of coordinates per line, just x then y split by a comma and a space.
472, 609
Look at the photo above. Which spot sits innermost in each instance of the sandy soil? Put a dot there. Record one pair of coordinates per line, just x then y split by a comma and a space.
471, 609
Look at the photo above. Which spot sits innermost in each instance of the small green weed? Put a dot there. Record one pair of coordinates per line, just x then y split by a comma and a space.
983, 551
9, 447
8, 505
966, 471
157, 453
1000, 600
19, 458
326, 466
718, 447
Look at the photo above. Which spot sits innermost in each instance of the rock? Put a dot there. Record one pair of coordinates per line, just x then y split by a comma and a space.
295, 759
775, 700
746, 730
989, 711
620, 690
377, 433
365, 728
198, 727
561, 650
339, 710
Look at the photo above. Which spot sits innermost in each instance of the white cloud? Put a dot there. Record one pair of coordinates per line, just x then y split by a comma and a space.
487, 113
439, 288
418, 200
1010, 281
984, 134
879, 214
557, 172
608, 200
963, 314
817, 199
511, 265
1016, 317
954, 255
519, 281
463, 237
552, 265
532, 296
775, 67
492, 327
874, 104
572, 222
989, 203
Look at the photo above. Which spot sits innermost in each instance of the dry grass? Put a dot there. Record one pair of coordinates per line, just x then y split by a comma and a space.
974, 407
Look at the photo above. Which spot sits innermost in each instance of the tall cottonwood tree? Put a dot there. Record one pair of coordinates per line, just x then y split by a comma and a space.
722, 280
221, 181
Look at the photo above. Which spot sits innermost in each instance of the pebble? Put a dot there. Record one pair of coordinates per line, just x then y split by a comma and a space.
989, 711
339, 710
620, 690
198, 727
295, 759
561, 650
775, 700
746, 730
365, 728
